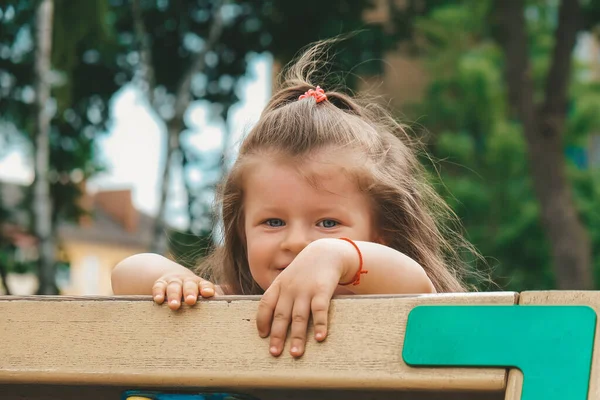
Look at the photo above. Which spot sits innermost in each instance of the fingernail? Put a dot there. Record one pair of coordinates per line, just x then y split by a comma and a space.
191, 297
294, 350
273, 350
173, 301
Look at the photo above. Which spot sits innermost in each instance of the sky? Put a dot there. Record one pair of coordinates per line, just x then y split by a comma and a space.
133, 148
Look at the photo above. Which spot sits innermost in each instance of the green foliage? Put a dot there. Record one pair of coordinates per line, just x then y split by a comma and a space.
85, 77
292, 27
481, 150
176, 32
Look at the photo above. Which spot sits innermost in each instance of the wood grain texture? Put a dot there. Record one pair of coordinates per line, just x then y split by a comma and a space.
588, 298
132, 341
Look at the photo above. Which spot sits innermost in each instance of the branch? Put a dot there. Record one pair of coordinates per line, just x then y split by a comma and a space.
3, 277
176, 124
198, 63
513, 38
42, 201
142, 38
557, 81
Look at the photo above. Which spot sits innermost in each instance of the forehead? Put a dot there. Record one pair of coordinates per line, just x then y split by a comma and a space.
314, 180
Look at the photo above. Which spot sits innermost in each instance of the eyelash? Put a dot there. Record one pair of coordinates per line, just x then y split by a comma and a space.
333, 220
266, 222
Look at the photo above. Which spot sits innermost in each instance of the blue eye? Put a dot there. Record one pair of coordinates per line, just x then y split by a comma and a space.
328, 223
275, 222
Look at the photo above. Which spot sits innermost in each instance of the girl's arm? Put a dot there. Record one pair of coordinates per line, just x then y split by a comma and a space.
309, 282
389, 271
160, 277
137, 274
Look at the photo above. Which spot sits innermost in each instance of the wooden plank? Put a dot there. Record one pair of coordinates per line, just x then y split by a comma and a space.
55, 392
589, 298
132, 341
514, 385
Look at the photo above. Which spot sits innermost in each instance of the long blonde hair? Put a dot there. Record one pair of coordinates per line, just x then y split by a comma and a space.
411, 216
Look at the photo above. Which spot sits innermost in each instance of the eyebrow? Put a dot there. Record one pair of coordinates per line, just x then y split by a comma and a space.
318, 210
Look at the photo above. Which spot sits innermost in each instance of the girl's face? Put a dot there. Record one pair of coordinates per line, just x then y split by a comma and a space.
284, 213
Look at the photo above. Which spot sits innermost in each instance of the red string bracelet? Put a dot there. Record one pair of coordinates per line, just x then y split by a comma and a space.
356, 280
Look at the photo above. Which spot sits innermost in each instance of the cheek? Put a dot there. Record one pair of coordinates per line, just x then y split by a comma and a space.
251, 246
258, 261
257, 251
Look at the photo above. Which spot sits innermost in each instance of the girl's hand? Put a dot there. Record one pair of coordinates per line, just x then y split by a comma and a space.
306, 286
174, 287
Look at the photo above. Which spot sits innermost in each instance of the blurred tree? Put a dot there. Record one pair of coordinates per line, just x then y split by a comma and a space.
361, 52
186, 52
483, 152
542, 114
42, 202
4, 243
84, 75
196, 65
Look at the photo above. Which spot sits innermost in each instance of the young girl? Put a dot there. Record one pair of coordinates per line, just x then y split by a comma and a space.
326, 197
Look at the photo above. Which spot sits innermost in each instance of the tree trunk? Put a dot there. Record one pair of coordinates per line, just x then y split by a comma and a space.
3, 277
42, 203
176, 124
3, 246
146, 70
543, 127
159, 243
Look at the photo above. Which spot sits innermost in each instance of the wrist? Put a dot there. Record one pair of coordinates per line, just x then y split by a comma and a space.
338, 253
352, 262
346, 258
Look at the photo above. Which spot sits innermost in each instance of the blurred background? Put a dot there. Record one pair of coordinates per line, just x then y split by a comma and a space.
118, 118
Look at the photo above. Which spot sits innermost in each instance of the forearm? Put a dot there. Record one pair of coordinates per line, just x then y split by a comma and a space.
137, 274
389, 271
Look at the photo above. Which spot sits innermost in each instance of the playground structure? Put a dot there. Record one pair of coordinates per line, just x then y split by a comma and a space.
445, 346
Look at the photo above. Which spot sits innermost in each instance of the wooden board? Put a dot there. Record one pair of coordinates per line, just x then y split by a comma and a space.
589, 298
131, 341
514, 385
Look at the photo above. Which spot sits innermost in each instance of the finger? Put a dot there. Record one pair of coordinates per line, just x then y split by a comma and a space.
174, 292
266, 307
158, 291
282, 317
207, 288
320, 314
190, 291
300, 315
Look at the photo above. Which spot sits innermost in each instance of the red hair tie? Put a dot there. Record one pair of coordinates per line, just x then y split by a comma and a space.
318, 94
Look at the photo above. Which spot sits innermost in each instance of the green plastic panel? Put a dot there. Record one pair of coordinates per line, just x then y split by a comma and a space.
551, 345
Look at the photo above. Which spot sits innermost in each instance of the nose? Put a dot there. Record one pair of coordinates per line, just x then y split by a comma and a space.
296, 239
